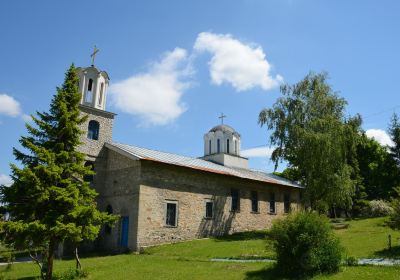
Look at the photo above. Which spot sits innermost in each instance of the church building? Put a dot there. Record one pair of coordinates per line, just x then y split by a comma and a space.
163, 197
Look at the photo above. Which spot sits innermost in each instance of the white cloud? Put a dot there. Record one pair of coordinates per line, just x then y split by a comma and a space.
9, 106
5, 180
155, 96
380, 136
244, 66
257, 152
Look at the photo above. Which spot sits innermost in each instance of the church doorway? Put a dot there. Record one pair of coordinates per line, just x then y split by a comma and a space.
124, 231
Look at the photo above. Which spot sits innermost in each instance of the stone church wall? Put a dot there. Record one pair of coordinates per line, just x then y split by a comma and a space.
191, 189
93, 147
118, 187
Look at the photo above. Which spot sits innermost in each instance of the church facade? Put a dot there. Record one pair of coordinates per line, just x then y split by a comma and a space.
163, 197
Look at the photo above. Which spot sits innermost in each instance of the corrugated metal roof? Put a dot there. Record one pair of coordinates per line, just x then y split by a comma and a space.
199, 164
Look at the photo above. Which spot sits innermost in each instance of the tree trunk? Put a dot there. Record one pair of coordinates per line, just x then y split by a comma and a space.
50, 258
78, 262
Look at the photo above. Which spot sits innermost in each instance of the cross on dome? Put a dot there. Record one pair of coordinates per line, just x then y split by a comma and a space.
222, 118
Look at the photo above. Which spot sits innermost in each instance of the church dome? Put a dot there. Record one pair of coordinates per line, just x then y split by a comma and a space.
224, 128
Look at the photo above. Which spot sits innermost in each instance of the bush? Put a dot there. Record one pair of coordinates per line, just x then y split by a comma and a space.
377, 208
394, 221
305, 245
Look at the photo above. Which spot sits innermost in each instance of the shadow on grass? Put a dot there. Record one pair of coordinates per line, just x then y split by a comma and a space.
250, 235
273, 273
386, 253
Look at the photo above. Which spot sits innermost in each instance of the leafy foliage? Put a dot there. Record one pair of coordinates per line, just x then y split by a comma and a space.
378, 169
305, 244
49, 201
378, 208
394, 221
310, 131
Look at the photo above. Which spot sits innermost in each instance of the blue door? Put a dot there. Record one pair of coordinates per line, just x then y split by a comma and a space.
124, 231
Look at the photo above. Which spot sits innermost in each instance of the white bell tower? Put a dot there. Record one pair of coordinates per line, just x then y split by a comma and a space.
93, 85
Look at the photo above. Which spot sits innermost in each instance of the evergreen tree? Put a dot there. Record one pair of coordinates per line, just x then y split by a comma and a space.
311, 133
49, 201
394, 131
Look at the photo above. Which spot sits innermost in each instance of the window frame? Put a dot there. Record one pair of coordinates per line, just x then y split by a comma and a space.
207, 202
237, 208
254, 202
91, 135
286, 203
172, 202
272, 203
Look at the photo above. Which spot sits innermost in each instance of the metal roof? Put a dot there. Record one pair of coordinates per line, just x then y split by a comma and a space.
199, 164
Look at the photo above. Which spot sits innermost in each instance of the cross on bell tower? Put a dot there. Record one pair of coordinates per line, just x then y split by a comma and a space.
93, 55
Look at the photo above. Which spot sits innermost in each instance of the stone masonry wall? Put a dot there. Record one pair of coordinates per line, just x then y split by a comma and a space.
191, 189
93, 147
118, 186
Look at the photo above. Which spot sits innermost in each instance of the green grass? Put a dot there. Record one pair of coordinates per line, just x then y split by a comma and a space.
190, 260
368, 238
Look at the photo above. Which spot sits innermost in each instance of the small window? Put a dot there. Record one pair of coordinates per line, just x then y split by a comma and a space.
209, 209
89, 93
89, 178
254, 202
101, 93
227, 146
109, 210
218, 146
235, 147
235, 206
93, 130
209, 147
90, 85
286, 202
171, 214
272, 208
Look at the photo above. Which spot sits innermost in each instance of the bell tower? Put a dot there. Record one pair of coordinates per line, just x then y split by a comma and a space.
97, 130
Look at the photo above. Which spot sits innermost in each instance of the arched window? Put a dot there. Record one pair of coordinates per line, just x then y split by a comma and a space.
90, 85
93, 130
227, 146
101, 93
89, 178
89, 93
218, 146
209, 147
109, 210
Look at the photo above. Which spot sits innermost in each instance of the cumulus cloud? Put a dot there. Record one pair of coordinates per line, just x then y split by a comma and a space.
155, 96
9, 106
257, 152
244, 66
380, 136
5, 180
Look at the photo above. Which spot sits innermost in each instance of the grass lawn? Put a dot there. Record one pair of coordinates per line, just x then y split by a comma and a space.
190, 260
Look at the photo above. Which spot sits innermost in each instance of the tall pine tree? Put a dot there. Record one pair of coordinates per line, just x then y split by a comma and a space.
49, 201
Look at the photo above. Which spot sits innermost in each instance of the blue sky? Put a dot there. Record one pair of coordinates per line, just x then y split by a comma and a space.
176, 65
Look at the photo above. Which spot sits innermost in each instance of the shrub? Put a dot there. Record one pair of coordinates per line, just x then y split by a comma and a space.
305, 245
394, 221
351, 261
378, 208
